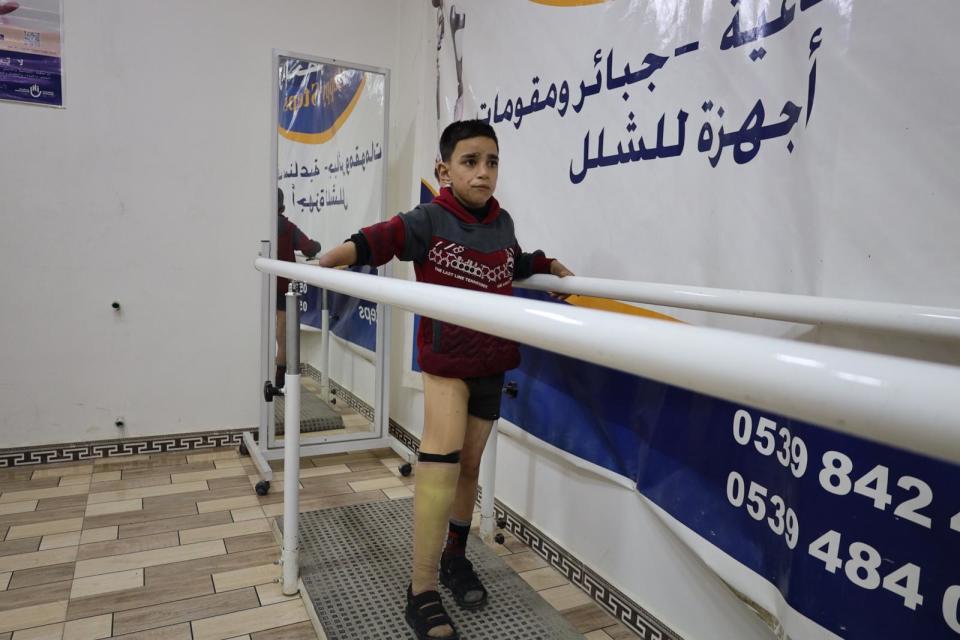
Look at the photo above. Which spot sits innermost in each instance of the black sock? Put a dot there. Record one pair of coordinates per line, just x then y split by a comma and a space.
281, 372
457, 539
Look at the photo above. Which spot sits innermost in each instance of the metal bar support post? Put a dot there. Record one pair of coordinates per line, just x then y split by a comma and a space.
290, 558
324, 347
488, 476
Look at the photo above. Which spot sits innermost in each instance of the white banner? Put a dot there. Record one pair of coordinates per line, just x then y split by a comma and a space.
795, 146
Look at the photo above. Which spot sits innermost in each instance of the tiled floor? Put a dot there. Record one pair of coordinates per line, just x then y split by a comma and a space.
178, 546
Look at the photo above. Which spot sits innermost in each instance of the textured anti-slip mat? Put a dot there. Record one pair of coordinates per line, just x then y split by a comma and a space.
355, 563
315, 414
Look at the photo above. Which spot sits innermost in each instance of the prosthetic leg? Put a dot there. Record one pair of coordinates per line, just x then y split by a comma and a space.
436, 489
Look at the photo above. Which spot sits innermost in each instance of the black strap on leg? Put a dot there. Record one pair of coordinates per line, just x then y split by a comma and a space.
451, 458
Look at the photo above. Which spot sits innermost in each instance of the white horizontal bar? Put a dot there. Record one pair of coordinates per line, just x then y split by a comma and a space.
932, 322
904, 403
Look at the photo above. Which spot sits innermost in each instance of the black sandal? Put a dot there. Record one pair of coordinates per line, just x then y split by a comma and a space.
425, 612
457, 574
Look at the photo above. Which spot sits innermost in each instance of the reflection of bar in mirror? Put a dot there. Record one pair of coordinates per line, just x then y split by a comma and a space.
30, 26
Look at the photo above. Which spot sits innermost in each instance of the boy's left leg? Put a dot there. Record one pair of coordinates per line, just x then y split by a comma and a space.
474, 442
455, 570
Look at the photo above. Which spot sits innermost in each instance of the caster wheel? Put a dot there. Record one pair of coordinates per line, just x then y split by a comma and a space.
499, 538
262, 488
243, 450
406, 469
502, 523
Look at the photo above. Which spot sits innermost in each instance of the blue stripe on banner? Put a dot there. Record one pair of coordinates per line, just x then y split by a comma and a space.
825, 517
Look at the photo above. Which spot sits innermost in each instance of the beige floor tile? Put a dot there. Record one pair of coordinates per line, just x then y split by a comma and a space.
214, 455
272, 593
247, 577
207, 475
128, 545
44, 528
151, 558
174, 524
60, 540
231, 463
250, 621
247, 513
48, 576
145, 492
588, 617
135, 483
106, 583
525, 561
69, 481
23, 561
163, 615
354, 420
219, 532
39, 494
298, 631
35, 616
23, 545
173, 632
18, 507
565, 597
5, 580
93, 628
227, 504
105, 476
398, 493
319, 472
46, 632
377, 483
245, 637
120, 506
246, 543
599, 634
544, 578
101, 534
60, 472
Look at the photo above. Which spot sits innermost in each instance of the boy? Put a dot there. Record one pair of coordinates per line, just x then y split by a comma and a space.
462, 239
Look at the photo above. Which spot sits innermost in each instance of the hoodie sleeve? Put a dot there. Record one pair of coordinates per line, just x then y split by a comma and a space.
530, 263
405, 236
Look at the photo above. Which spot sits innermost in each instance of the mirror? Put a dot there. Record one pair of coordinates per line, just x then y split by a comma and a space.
331, 141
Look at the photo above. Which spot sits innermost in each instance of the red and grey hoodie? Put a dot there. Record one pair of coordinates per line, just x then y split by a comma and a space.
449, 245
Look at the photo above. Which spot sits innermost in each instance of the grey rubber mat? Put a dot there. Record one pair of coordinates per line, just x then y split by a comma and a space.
355, 563
315, 414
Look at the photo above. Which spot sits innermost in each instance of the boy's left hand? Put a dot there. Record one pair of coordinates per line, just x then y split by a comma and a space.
557, 269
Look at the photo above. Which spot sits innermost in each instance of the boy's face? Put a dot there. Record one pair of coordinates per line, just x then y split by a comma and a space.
472, 170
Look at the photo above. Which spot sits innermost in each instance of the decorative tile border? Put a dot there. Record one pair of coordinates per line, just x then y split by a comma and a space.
627, 612
113, 448
340, 392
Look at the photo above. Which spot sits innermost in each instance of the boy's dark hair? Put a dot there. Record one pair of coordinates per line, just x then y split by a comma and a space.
461, 130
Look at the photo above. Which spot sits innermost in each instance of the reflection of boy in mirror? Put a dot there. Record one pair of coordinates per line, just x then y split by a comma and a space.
289, 238
462, 239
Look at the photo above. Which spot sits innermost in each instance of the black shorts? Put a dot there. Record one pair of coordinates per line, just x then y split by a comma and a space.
485, 394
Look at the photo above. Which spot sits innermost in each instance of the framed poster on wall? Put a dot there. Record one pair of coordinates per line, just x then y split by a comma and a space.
31, 48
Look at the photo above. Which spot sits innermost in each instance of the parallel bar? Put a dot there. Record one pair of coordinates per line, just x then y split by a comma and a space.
930, 322
900, 402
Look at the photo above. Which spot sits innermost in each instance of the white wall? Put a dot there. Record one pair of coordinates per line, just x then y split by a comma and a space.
152, 188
